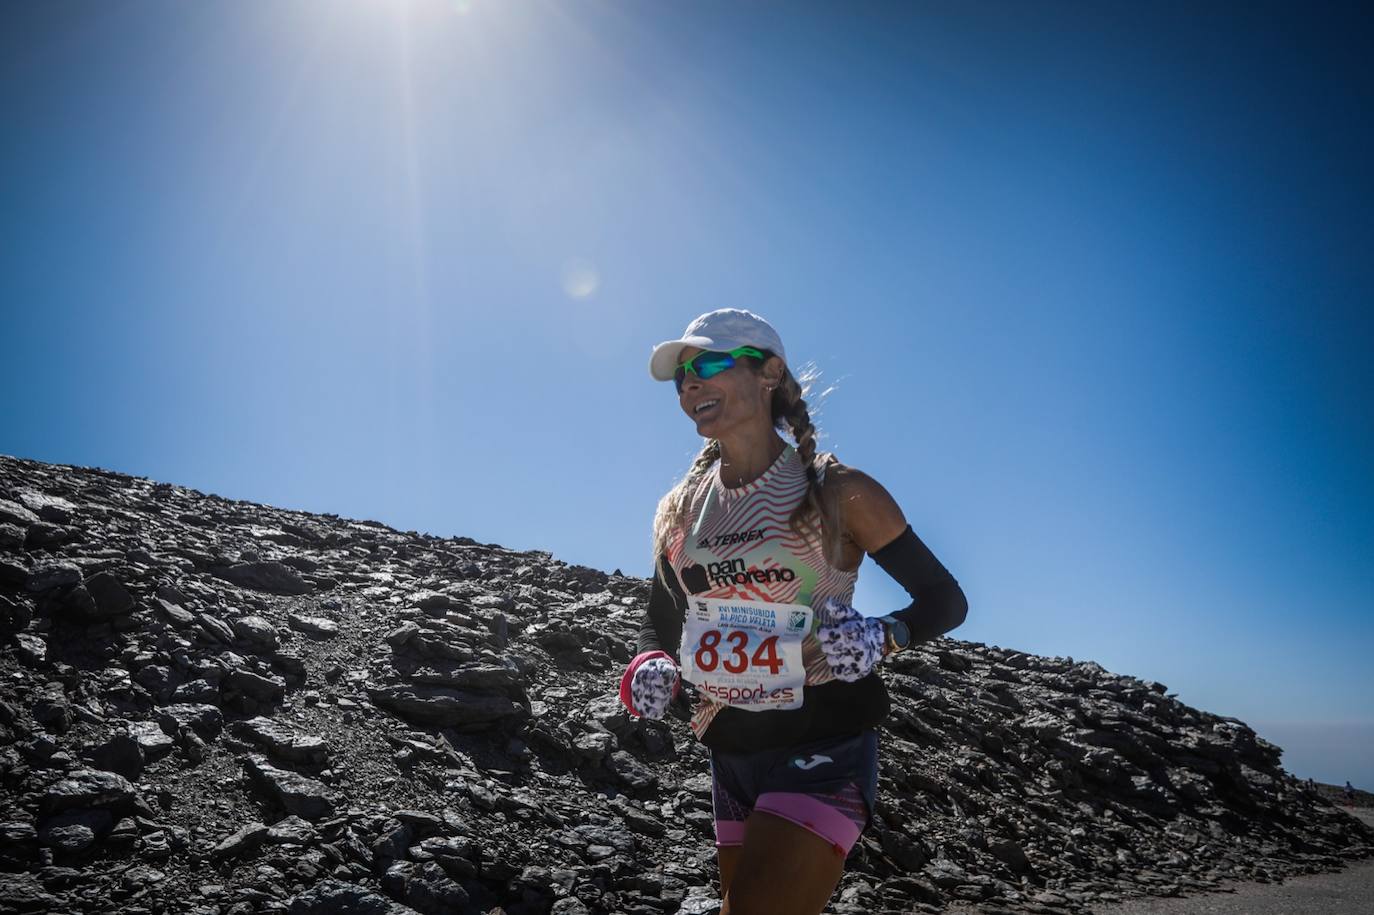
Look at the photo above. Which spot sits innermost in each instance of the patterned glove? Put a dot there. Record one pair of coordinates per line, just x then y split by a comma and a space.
650, 682
853, 643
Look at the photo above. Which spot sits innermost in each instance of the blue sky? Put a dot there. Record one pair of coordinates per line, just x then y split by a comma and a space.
1088, 285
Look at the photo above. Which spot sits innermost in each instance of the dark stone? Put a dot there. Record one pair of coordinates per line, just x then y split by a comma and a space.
111, 597
269, 690
51, 709
425, 888
293, 830
75, 830
271, 577
48, 507
16, 514
446, 707
256, 632
32, 649
433, 600
175, 614
52, 575
89, 788
151, 739
281, 742
12, 573
313, 625
1011, 854
335, 897
215, 630
302, 796
470, 675
204, 720
120, 753
45, 534
244, 842
196, 692
18, 841
12, 537
23, 893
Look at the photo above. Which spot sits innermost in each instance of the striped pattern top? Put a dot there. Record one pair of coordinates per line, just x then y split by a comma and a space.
738, 544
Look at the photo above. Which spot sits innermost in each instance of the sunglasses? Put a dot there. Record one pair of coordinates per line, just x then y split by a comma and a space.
705, 365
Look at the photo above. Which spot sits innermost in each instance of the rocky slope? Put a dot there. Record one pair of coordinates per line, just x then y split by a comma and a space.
214, 706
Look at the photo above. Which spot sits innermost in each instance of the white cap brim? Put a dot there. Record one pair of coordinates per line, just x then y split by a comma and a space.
667, 355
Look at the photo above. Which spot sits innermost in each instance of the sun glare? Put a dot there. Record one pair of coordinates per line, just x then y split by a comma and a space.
580, 278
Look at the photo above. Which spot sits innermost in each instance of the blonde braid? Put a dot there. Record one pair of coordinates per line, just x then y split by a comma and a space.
815, 513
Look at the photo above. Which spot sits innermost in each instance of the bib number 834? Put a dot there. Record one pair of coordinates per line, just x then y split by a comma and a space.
737, 659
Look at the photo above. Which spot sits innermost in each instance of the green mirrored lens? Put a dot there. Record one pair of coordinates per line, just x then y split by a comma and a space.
708, 364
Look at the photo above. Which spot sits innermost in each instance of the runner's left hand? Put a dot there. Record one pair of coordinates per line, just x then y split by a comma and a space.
852, 642
652, 687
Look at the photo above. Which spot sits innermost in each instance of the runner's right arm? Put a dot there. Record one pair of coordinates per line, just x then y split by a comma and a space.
662, 626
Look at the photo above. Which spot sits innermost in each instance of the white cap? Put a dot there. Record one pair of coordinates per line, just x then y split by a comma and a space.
719, 331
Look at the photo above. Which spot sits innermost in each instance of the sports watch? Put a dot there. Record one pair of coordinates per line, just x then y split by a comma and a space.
898, 635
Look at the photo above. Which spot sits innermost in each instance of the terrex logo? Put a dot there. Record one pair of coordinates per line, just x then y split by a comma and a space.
720, 540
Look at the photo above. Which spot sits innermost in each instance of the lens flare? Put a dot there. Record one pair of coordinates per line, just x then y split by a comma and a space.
580, 279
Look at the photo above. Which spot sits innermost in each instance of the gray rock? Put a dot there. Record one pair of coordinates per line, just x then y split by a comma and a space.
151, 739
214, 630
631, 771
462, 675
49, 508
23, 893
313, 625
305, 797
424, 887
32, 649
45, 534
204, 720
111, 597
336, 897
14, 616
291, 830
244, 842
271, 577
434, 600
281, 742
266, 689
446, 707
120, 752
196, 692
17, 836
256, 632
89, 788
74, 830
49, 576
175, 614
16, 514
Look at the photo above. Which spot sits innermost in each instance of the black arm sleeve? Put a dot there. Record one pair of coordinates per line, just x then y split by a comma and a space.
662, 626
938, 603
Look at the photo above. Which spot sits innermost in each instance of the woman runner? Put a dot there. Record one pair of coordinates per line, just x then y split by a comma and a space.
757, 550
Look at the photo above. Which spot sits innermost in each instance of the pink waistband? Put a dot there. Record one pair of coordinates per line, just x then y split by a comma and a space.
805, 810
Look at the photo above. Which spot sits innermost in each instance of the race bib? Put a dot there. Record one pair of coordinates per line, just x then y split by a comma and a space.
746, 653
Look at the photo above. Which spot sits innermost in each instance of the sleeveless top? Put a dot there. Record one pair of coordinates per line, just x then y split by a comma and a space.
739, 544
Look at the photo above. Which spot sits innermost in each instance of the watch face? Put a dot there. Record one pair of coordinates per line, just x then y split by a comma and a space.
901, 635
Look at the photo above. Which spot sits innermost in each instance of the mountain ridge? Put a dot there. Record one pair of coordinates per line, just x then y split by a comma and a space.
217, 706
